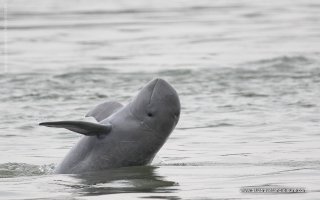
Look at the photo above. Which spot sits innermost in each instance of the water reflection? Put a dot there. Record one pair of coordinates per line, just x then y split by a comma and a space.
142, 179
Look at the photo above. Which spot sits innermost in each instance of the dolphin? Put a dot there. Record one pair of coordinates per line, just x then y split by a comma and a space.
123, 136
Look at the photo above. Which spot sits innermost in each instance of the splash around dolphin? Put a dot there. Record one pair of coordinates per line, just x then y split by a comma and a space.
123, 136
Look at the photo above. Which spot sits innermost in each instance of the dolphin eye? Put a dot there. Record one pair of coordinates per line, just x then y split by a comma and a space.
150, 114
176, 114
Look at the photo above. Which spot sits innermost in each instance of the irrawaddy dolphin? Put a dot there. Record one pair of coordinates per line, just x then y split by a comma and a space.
123, 136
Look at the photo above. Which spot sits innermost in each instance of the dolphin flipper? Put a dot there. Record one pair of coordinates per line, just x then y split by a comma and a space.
104, 110
85, 128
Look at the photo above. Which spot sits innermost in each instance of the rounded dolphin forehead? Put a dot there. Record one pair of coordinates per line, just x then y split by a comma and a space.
158, 106
166, 96
157, 91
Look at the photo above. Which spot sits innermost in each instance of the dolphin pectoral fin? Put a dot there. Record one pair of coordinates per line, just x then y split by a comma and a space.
104, 110
85, 128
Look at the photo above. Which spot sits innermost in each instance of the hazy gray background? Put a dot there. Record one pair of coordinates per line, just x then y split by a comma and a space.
247, 72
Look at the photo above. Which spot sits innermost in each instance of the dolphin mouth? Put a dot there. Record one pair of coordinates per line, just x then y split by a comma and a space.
154, 88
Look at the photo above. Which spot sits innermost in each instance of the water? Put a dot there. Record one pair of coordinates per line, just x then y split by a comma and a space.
247, 72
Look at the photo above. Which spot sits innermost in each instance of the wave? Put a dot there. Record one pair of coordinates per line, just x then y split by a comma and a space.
11, 170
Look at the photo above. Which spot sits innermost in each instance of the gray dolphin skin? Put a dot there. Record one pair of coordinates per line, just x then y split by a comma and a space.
123, 136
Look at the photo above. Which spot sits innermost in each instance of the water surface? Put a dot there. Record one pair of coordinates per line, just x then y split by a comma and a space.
247, 72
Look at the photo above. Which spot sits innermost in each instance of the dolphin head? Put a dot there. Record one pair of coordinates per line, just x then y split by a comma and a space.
157, 105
